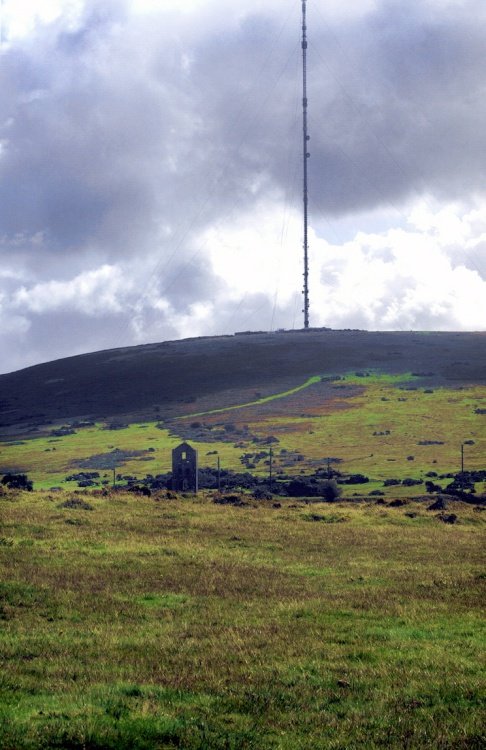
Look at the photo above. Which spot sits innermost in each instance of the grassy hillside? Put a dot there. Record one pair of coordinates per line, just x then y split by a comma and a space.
134, 624
383, 426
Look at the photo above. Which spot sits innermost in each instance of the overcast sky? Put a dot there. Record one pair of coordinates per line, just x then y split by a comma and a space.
150, 169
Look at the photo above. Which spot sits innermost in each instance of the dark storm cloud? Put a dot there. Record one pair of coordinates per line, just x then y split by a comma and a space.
73, 153
396, 105
109, 136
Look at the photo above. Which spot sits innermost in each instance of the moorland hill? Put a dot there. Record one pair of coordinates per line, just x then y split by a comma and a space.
178, 377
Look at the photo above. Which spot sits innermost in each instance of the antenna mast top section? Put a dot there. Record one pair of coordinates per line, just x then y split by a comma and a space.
306, 156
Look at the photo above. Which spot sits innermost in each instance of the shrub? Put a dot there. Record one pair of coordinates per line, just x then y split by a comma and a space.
63, 432
440, 504
355, 479
83, 476
301, 488
17, 482
261, 493
330, 490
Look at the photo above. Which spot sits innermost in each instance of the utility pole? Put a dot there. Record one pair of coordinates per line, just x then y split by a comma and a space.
270, 479
462, 458
306, 156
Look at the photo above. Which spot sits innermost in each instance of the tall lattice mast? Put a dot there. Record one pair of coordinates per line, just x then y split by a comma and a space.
306, 157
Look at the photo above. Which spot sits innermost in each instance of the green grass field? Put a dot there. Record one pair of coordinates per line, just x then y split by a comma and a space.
154, 623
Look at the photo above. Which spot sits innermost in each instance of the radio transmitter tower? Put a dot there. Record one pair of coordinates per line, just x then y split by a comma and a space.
306, 156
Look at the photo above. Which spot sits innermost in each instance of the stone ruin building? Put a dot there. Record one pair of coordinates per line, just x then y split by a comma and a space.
184, 469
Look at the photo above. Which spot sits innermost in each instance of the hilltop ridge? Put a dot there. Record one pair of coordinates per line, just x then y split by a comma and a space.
177, 377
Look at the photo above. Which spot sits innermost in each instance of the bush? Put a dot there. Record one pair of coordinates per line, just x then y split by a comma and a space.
330, 490
302, 487
17, 482
261, 493
355, 479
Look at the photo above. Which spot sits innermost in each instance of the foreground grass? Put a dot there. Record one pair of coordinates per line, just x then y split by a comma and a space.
155, 623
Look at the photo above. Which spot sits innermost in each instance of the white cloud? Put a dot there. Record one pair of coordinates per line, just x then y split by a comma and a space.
404, 278
199, 318
92, 293
151, 6
258, 252
413, 277
408, 278
13, 329
21, 17
334, 7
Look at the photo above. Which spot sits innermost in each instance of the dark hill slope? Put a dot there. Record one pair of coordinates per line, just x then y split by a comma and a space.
173, 377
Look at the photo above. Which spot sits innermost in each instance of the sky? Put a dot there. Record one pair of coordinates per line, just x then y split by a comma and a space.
151, 169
